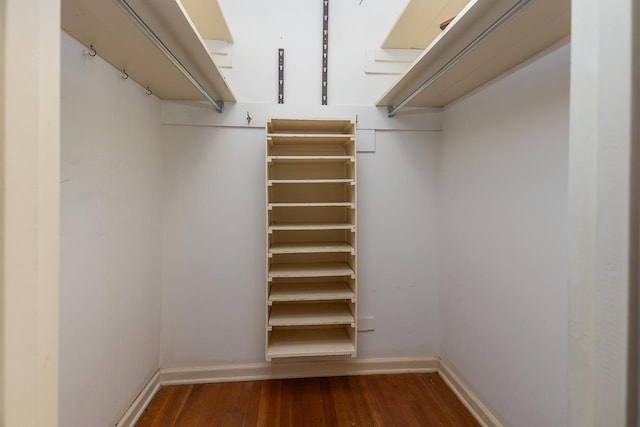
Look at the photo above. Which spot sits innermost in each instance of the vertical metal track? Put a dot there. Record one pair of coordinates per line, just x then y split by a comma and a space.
325, 49
280, 76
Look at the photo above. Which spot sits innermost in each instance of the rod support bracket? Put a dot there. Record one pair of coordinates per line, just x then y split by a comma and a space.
390, 112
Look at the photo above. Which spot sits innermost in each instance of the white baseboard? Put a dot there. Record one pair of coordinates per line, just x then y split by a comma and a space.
480, 412
306, 369
141, 402
295, 369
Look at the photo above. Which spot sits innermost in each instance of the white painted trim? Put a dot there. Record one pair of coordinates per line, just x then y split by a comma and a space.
389, 61
306, 369
480, 412
295, 369
140, 403
218, 47
396, 55
187, 113
602, 215
29, 212
220, 51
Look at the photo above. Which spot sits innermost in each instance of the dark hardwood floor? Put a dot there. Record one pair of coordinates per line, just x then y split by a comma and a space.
374, 400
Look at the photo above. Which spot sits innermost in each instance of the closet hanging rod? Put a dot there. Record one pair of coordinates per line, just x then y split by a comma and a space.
148, 32
521, 4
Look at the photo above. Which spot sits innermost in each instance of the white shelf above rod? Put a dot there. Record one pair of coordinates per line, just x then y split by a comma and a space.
521, 4
148, 32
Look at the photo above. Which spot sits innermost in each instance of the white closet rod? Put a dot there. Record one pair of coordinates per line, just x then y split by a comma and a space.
521, 4
131, 13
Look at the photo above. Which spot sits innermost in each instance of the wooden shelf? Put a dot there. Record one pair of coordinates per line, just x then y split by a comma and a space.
537, 27
311, 227
310, 159
312, 181
118, 41
313, 205
420, 23
311, 247
303, 126
297, 292
325, 138
311, 314
310, 342
316, 269
309, 144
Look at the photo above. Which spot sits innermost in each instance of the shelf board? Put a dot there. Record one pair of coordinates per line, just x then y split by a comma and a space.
310, 126
119, 42
305, 342
312, 181
310, 248
315, 269
311, 227
314, 291
310, 159
540, 25
350, 205
335, 138
420, 22
311, 314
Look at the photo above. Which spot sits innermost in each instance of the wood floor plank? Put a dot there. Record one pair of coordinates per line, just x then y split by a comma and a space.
379, 398
273, 401
364, 404
253, 404
462, 415
345, 404
403, 400
428, 408
191, 409
412, 412
173, 403
156, 407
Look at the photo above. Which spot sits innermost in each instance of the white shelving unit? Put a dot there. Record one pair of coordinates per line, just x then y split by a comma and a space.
311, 238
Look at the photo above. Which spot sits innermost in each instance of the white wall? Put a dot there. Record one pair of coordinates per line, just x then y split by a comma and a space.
213, 251
397, 245
503, 287
214, 247
260, 27
110, 256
